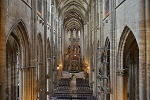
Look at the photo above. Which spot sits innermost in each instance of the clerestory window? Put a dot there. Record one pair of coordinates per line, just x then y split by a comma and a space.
39, 6
107, 7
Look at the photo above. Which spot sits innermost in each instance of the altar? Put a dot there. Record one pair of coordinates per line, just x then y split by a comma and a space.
76, 75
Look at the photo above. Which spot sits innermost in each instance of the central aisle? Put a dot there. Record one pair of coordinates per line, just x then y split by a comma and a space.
73, 87
73, 84
76, 88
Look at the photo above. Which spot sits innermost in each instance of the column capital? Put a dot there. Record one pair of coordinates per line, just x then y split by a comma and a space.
26, 68
39, 63
48, 58
121, 72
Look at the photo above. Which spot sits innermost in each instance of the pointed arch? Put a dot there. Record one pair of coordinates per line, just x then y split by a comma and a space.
123, 41
39, 68
20, 34
128, 65
107, 42
22, 27
39, 48
17, 54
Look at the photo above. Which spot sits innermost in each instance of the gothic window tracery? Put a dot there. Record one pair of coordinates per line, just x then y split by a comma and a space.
39, 6
107, 7
74, 33
78, 34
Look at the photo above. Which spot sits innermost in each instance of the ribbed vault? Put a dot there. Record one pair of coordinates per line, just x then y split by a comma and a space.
73, 12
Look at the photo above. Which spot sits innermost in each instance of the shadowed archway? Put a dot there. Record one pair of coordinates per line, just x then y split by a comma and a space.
17, 62
128, 65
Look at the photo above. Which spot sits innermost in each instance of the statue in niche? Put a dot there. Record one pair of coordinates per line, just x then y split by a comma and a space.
102, 56
79, 49
69, 49
75, 50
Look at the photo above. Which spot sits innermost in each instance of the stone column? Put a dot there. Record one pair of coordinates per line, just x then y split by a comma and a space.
52, 47
26, 83
10, 64
50, 77
141, 42
82, 46
132, 80
142, 72
136, 70
3, 49
113, 49
119, 80
85, 40
89, 47
33, 54
101, 23
120, 85
95, 46
43, 79
33, 82
40, 84
14, 80
21, 86
147, 11
61, 42
65, 39
90, 56
47, 76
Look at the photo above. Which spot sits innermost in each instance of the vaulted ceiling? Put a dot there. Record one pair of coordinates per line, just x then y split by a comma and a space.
74, 12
